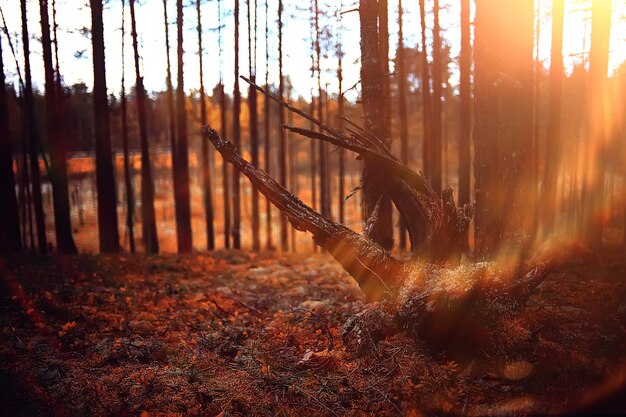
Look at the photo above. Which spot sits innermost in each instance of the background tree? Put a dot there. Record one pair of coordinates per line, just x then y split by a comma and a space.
553, 138
402, 112
503, 69
254, 124
465, 111
426, 96
32, 139
597, 145
207, 184
182, 200
224, 130
128, 185
148, 218
236, 139
10, 239
282, 155
56, 142
266, 131
437, 112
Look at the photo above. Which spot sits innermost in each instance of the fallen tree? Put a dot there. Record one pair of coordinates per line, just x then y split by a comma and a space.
427, 294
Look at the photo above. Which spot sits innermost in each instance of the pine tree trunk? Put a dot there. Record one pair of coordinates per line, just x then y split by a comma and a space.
266, 134
465, 122
33, 141
130, 196
182, 201
373, 99
503, 126
56, 141
402, 113
553, 155
105, 176
148, 218
236, 138
10, 239
340, 125
593, 204
436, 139
282, 155
254, 128
207, 185
225, 171
426, 97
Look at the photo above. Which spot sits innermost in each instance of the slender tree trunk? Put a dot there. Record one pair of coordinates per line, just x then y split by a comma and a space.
465, 122
322, 148
436, 142
33, 139
225, 173
58, 163
340, 126
552, 158
372, 94
182, 201
10, 222
236, 138
105, 176
207, 185
254, 127
148, 218
266, 133
593, 208
281, 121
503, 126
171, 120
130, 196
426, 97
402, 113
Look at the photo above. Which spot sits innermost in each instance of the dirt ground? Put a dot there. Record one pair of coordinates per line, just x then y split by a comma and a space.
234, 333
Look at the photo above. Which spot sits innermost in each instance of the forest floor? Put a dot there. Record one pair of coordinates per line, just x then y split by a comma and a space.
234, 333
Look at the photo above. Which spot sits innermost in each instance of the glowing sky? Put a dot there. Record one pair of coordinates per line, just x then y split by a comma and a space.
75, 48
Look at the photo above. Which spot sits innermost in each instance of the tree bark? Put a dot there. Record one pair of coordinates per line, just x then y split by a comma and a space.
597, 146
402, 113
426, 96
148, 218
372, 96
266, 134
236, 138
56, 142
206, 161
105, 176
254, 128
182, 201
436, 132
553, 158
10, 240
503, 126
465, 122
130, 196
33, 139
282, 155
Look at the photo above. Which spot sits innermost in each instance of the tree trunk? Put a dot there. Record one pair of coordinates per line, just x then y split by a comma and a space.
436, 137
236, 138
56, 141
10, 239
340, 126
465, 122
322, 148
33, 141
266, 133
553, 153
207, 185
254, 128
503, 126
402, 113
593, 206
148, 218
130, 196
381, 230
105, 176
426, 97
182, 201
282, 155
